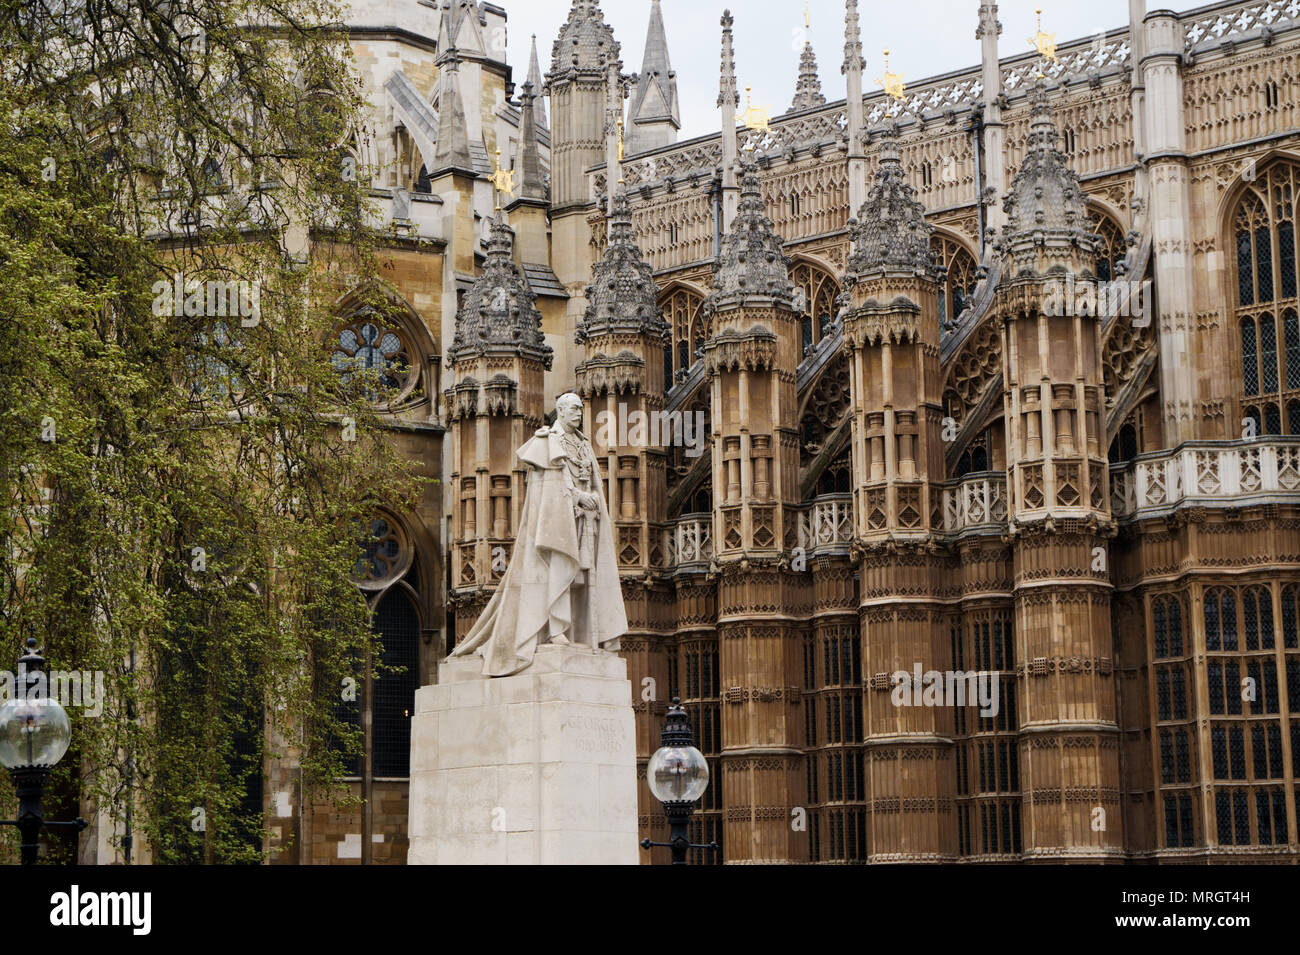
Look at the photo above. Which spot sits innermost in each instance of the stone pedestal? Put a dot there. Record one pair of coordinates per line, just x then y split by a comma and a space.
535, 768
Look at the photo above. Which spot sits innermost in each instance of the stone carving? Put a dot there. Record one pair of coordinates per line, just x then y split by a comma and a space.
500, 316
891, 232
622, 297
561, 585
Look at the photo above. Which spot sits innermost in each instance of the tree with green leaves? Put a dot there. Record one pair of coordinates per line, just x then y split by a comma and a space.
185, 475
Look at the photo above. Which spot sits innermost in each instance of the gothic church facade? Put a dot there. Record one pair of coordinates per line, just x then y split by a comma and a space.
999, 374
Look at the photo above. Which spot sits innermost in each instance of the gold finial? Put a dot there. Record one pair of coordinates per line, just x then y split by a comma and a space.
620, 139
754, 117
892, 83
1044, 43
807, 17
503, 180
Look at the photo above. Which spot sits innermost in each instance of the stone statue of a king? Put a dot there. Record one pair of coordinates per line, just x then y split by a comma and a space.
561, 585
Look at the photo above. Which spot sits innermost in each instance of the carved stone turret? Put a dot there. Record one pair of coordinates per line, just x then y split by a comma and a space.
891, 341
498, 360
1058, 485
751, 359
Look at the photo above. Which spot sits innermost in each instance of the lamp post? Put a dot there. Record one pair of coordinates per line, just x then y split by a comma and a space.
678, 775
34, 735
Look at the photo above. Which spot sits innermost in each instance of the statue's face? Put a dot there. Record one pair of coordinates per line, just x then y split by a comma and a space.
569, 414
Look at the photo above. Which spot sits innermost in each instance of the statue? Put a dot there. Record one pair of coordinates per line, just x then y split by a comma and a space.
561, 585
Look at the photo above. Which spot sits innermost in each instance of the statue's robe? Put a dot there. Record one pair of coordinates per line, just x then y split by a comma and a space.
533, 602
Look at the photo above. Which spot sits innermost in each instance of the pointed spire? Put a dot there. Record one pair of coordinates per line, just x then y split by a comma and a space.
585, 43
530, 155
852, 39
808, 91
728, 102
655, 116
451, 151
752, 261
622, 297
499, 315
728, 94
535, 78
891, 232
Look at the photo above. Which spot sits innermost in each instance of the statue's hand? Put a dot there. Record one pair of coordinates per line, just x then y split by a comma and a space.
588, 501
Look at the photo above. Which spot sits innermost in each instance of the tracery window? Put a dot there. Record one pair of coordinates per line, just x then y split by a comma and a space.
978, 455
386, 557
1114, 246
815, 292
681, 310
1268, 310
1245, 676
960, 281
375, 355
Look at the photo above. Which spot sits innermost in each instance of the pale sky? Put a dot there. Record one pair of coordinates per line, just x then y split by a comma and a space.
924, 37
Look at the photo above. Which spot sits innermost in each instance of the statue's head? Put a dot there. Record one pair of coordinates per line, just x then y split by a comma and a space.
568, 412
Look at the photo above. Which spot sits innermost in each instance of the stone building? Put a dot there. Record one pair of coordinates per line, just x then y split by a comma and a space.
1000, 375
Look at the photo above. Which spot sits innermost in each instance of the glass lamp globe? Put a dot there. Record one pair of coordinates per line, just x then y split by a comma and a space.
33, 732
678, 774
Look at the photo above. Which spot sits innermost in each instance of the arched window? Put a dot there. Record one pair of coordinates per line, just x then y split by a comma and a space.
384, 572
977, 455
815, 290
394, 684
1257, 615
681, 310
1290, 617
959, 284
373, 351
1220, 619
1113, 248
1249, 358
1127, 443
1263, 233
1272, 419
1167, 622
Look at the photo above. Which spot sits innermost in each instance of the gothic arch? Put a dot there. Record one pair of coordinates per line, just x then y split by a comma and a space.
819, 289
378, 326
1240, 184
681, 304
1099, 204
1263, 288
953, 252
1114, 240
